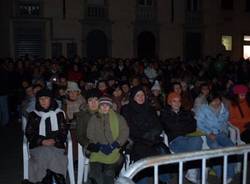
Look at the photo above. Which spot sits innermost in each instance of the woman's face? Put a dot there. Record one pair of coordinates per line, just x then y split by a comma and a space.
175, 104
73, 95
242, 96
139, 97
177, 89
93, 103
44, 101
117, 92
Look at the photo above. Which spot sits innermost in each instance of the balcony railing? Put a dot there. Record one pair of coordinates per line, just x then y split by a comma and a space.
94, 11
28, 8
145, 13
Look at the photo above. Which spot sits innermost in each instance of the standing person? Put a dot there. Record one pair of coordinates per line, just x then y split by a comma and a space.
145, 127
240, 111
46, 132
212, 119
83, 117
178, 123
107, 132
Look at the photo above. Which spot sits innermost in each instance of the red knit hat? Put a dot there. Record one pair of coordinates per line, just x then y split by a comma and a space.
173, 95
240, 89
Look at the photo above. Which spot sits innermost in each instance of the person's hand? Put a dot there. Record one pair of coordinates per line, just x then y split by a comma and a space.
106, 149
48, 142
115, 145
94, 147
212, 136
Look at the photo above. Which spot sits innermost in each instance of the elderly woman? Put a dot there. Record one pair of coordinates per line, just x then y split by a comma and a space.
240, 111
46, 132
212, 120
107, 132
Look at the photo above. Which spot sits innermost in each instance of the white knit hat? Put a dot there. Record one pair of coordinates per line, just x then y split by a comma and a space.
72, 86
156, 86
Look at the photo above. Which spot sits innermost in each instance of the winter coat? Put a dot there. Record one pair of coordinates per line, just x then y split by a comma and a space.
145, 129
32, 129
82, 120
177, 124
236, 118
209, 121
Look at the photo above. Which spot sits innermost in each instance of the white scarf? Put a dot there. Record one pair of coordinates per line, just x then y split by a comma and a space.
53, 120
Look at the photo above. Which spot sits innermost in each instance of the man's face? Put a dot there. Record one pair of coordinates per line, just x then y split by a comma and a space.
93, 103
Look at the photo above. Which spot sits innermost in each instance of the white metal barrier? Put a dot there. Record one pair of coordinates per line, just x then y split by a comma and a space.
204, 155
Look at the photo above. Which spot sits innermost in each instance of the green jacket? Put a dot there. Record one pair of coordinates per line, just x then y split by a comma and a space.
82, 119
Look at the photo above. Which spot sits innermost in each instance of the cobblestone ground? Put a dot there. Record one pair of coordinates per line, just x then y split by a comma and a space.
11, 171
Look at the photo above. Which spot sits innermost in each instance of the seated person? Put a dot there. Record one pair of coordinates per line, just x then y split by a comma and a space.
107, 132
212, 119
240, 112
178, 123
46, 132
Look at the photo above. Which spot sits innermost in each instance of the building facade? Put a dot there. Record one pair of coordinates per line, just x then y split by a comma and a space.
125, 28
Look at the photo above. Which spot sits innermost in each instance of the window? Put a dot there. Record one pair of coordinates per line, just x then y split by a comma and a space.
56, 50
71, 50
246, 47
192, 5
96, 2
146, 2
248, 5
227, 42
28, 8
227, 4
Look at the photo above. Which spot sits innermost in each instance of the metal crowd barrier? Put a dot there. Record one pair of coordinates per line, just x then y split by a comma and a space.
204, 155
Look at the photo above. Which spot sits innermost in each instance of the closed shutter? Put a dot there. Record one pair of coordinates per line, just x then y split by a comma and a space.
29, 41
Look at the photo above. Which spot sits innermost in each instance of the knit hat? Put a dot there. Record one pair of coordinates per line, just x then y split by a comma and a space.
72, 86
156, 86
44, 92
240, 89
105, 100
172, 95
92, 93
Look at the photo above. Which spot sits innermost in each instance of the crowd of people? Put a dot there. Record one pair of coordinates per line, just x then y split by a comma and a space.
113, 104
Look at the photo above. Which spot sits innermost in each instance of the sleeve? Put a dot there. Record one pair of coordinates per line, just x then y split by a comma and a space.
236, 119
61, 136
123, 131
32, 130
81, 128
202, 123
91, 130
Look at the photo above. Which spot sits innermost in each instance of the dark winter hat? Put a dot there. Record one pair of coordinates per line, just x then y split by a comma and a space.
92, 93
44, 92
105, 100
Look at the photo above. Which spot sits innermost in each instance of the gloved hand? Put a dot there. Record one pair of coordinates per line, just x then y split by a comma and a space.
94, 147
115, 145
106, 149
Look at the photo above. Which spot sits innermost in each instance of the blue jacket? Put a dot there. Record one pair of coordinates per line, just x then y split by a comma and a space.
210, 122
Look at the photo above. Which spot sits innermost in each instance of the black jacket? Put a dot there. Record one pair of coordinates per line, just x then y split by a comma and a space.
177, 124
32, 130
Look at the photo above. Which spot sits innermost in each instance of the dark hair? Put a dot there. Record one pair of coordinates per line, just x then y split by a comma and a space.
213, 95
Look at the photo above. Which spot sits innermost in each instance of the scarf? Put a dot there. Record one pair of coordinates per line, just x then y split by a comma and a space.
53, 120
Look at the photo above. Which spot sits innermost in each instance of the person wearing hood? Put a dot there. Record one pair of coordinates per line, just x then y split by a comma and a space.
239, 111
145, 128
107, 132
46, 131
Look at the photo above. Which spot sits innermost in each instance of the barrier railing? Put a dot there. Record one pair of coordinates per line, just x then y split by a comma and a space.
204, 155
